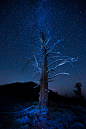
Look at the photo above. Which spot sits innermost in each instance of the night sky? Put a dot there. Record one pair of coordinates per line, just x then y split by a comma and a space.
21, 21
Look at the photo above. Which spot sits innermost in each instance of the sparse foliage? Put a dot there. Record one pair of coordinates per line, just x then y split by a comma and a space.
78, 91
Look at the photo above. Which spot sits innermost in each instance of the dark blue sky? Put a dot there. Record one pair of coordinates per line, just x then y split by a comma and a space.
21, 21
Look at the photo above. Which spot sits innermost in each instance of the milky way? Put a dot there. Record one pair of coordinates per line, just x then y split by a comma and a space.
21, 21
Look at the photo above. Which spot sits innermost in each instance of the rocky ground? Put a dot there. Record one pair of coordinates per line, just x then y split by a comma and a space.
20, 114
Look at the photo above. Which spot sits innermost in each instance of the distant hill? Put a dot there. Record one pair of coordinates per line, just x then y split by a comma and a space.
26, 91
21, 90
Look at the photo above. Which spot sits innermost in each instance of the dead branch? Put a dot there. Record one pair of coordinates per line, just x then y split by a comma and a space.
57, 75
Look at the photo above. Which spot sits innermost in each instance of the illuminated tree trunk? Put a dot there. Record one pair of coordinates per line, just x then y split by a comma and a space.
45, 53
43, 97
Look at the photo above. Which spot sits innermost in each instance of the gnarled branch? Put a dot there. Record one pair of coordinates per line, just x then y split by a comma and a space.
53, 46
58, 74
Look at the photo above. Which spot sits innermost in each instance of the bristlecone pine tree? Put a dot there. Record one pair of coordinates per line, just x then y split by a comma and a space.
45, 52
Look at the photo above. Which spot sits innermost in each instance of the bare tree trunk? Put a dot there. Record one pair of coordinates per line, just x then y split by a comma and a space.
43, 98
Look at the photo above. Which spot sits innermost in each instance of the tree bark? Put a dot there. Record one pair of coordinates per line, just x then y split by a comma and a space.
43, 97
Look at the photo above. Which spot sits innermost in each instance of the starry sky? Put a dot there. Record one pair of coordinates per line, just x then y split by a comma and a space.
20, 23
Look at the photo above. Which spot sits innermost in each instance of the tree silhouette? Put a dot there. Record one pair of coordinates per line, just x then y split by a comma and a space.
78, 91
42, 55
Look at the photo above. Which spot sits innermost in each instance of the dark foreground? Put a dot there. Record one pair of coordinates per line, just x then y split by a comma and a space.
19, 110
21, 114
